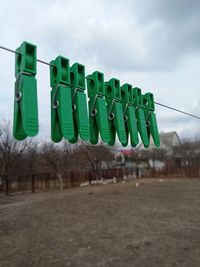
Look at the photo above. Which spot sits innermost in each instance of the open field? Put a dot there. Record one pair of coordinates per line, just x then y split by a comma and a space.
121, 225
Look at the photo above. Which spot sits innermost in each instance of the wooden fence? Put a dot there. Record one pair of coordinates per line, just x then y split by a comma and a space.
48, 181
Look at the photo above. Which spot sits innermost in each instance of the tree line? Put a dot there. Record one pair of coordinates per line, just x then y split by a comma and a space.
36, 156
33, 156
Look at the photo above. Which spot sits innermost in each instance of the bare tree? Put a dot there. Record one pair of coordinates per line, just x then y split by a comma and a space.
11, 151
58, 158
92, 157
187, 155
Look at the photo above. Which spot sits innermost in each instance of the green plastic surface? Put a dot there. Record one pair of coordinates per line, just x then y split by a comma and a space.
80, 114
25, 119
61, 118
62, 124
129, 114
140, 115
25, 59
59, 71
97, 108
151, 122
114, 108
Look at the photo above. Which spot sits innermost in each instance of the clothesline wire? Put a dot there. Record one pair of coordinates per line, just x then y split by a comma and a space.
178, 110
15, 52
159, 104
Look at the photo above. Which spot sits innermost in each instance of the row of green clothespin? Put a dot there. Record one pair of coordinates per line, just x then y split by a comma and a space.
113, 109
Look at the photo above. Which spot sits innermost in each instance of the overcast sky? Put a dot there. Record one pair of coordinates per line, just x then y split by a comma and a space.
151, 44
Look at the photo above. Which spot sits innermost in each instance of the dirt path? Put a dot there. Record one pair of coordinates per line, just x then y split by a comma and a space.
153, 225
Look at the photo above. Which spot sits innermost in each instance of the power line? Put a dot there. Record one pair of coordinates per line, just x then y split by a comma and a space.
162, 105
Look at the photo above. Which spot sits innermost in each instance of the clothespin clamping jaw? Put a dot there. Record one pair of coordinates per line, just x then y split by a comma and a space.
97, 108
129, 114
151, 122
79, 103
25, 120
62, 124
140, 115
115, 112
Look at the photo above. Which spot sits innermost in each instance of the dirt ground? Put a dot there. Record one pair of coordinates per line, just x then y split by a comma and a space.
155, 224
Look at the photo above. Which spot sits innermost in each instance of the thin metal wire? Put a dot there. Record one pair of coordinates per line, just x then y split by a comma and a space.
15, 52
44, 62
162, 105
8, 49
178, 110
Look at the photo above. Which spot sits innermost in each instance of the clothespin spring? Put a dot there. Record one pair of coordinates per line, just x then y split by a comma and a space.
148, 122
111, 115
125, 117
56, 102
73, 99
93, 112
18, 94
126, 106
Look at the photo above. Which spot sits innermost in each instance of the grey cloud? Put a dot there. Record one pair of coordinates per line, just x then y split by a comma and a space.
133, 40
172, 12
159, 38
131, 35
150, 35
171, 30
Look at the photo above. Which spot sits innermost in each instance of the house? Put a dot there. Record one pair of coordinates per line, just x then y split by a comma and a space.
168, 141
144, 160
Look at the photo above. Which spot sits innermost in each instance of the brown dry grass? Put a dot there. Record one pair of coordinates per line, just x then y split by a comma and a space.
154, 224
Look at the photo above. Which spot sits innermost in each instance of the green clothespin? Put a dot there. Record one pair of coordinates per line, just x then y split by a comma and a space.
151, 122
140, 115
62, 124
25, 120
79, 103
129, 114
97, 108
115, 112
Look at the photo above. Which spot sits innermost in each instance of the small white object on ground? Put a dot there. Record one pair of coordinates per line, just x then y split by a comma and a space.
84, 184
137, 184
